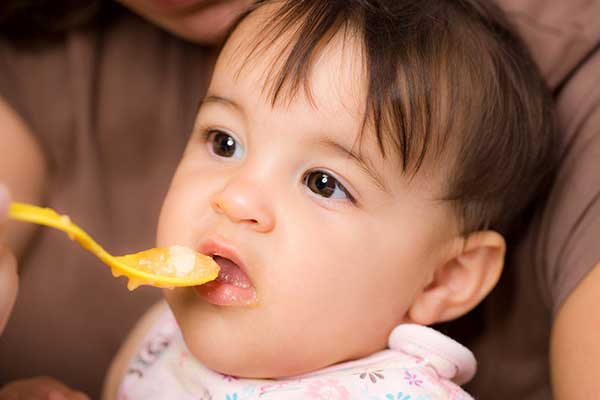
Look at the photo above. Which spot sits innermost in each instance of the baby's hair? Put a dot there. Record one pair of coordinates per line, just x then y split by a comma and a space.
448, 82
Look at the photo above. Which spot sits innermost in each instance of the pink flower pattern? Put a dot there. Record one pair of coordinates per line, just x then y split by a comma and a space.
412, 379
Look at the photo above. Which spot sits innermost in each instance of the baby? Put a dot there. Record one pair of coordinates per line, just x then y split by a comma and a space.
353, 169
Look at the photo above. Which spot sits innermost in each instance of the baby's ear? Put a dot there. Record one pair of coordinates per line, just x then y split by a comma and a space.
462, 282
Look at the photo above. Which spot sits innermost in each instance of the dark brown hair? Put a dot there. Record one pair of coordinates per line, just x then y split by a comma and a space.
447, 80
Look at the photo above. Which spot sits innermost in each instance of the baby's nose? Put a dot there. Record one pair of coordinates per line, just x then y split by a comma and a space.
244, 203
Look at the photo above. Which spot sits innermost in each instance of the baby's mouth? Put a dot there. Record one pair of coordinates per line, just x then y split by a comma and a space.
231, 273
231, 288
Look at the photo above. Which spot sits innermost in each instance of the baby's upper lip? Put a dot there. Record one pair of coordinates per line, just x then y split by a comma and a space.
213, 247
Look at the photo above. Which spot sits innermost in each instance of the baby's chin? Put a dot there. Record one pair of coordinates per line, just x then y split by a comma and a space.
275, 363
251, 364
256, 371
255, 366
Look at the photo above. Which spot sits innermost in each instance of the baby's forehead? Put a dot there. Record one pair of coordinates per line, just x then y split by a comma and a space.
334, 75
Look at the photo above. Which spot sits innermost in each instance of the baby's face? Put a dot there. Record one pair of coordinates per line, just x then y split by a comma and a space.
330, 245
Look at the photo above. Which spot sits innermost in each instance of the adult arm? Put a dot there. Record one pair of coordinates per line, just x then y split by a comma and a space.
40, 388
575, 344
22, 170
8, 268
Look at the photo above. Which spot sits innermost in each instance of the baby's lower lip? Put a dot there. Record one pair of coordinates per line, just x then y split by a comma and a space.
225, 294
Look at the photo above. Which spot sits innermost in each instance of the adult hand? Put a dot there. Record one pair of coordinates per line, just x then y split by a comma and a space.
8, 265
39, 388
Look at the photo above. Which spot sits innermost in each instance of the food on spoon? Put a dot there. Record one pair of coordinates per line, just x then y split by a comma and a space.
176, 262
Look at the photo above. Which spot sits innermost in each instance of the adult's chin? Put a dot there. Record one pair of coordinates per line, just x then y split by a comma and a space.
193, 29
203, 22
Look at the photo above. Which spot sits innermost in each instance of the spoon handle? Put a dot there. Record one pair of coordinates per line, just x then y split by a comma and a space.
49, 217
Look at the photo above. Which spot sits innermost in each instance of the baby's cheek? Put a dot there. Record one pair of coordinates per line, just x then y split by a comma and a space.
171, 223
180, 212
164, 231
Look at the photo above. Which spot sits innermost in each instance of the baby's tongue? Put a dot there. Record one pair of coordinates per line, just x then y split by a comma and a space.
231, 274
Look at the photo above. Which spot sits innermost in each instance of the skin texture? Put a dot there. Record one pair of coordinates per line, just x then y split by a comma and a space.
574, 342
200, 21
321, 267
39, 388
8, 268
22, 170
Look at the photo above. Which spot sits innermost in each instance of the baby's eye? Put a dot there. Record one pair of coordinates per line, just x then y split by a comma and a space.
325, 185
223, 144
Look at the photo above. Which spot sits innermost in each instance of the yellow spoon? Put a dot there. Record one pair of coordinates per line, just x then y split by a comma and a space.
162, 267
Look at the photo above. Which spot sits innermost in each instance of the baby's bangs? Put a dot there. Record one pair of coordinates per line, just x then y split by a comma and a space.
404, 75
300, 30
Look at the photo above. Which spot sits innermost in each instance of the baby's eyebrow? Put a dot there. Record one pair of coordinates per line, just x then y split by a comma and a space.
211, 98
358, 160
